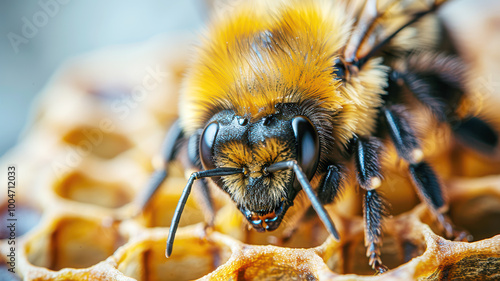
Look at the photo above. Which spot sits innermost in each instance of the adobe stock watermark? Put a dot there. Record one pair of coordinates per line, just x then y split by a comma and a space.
224, 8
31, 26
123, 108
153, 78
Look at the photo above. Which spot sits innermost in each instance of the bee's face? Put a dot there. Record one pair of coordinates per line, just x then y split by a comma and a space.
253, 144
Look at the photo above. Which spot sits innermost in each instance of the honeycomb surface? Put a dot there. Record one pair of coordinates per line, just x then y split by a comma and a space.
87, 154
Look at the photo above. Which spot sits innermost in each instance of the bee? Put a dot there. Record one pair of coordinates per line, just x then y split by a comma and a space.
283, 96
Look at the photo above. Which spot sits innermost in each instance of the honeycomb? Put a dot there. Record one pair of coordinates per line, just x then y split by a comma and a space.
87, 154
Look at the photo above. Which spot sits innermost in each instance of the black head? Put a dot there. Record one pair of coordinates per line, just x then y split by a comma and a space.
253, 144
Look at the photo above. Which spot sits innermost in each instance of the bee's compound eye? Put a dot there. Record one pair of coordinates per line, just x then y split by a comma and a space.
307, 140
207, 140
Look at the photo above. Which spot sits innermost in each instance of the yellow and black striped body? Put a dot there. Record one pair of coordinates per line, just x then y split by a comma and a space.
282, 96
268, 54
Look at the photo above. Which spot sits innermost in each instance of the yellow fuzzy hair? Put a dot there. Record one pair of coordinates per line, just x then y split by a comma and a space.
238, 155
269, 52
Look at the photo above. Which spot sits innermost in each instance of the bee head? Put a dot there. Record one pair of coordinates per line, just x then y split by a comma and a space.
253, 144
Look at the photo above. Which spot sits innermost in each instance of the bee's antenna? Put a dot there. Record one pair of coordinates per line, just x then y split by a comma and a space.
306, 186
218, 172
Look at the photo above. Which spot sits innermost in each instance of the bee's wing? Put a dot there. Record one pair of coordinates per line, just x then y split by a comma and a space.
365, 22
380, 21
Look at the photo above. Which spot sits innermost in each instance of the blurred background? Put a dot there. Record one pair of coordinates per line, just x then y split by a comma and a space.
37, 36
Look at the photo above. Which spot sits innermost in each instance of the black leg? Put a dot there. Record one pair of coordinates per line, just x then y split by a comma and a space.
402, 134
422, 174
367, 155
478, 134
308, 190
332, 184
330, 187
427, 184
407, 147
436, 80
429, 189
373, 212
169, 152
169, 149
